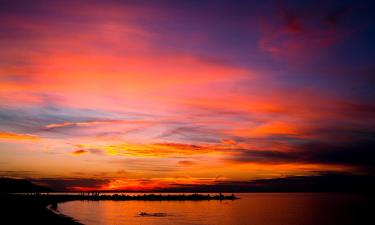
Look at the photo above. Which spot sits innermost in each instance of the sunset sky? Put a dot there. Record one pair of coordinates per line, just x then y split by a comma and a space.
143, 95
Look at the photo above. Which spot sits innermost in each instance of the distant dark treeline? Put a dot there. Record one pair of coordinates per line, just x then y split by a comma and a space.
150, 197
97, 196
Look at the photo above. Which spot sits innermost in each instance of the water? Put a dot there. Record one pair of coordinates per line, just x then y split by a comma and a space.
251, 209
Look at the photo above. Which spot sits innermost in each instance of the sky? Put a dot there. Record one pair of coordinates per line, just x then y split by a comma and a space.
146, 95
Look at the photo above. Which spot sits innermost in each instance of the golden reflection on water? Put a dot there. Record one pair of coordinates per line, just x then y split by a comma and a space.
251, 209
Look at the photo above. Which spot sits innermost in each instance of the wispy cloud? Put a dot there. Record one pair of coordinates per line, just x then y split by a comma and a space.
79, 152
18, 137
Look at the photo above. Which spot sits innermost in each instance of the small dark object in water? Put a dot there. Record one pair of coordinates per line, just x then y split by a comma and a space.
152, 214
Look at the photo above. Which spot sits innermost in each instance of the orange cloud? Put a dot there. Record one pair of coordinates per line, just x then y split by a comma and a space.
186, 163
94, 123
272, 128
18, 137
79, 152
157, 149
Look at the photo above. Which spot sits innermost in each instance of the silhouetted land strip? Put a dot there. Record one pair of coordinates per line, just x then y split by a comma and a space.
96, 196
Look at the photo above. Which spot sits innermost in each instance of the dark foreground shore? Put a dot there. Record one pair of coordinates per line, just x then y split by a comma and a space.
28, 209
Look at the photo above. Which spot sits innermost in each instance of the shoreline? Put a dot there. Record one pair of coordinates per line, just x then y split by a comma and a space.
58, 213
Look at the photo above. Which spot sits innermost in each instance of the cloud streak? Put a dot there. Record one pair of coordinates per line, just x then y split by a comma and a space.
18, 137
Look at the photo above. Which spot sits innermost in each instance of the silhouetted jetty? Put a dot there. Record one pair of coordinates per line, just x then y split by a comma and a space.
97, 196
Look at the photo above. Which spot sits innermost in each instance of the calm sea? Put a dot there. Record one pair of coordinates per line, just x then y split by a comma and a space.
251, 209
